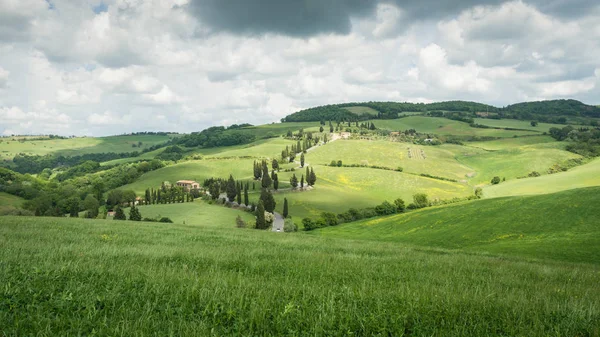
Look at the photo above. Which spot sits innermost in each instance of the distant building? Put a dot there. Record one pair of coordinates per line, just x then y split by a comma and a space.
188, 184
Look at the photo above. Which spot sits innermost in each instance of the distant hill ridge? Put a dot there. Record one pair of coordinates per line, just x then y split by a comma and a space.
540, 110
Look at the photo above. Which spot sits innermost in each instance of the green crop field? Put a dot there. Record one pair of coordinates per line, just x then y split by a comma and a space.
445, 127
64, 276
562, 226
517, 124
79, 146
578, 177
362, 110
197, 213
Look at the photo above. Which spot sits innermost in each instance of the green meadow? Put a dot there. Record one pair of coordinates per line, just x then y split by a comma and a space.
517, 124
445, 127
362, 110
78, 146
197, 213
562, 226
514, 162
434, 160
64, 276
581, 176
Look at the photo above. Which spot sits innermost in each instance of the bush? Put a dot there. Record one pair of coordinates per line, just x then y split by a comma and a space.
495, 180
385, 209
165, 219
339, 163
329, 219
289, 226
420, 200
240, 223
534, 174
400, 206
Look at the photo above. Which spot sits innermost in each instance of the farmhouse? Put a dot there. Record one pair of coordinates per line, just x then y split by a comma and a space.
188, 184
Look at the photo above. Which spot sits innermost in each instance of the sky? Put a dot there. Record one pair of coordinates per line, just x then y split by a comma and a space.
104, 67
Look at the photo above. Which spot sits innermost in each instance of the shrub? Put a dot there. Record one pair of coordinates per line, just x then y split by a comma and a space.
385, 208
400, 206
495, 180
289, 226
534, 174
240, 223
308, 224
165, 219
478, 192
339, 163
420, 200
329, 219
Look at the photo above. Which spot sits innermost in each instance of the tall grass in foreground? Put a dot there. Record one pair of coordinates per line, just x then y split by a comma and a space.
86, 277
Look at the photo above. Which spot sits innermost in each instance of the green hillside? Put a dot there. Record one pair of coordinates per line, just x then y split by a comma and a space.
197, 213
80, 145
578, 177
63, 276
562, 226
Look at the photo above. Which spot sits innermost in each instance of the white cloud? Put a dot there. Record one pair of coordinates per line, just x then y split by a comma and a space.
3, 77
96, 73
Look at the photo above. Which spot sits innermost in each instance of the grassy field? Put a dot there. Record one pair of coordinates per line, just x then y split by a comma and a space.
510, 143
197, 170
79, 146
578, 177
514, 162
517, 124
437, 160
64, 276
444, 127
338, 189
562, 226
197, 213
362, 110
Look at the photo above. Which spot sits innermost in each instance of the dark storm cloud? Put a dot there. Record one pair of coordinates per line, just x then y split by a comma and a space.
303, 18
287, 17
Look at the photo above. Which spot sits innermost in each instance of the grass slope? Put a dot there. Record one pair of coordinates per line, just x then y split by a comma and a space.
64, 276
513, 162
79, 146
578, 177
438, 161
517, 124
445, 127
10, 200
362, 110
562, 226
197, 213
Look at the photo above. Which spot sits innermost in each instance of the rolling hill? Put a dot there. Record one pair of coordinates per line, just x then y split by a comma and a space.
561, 226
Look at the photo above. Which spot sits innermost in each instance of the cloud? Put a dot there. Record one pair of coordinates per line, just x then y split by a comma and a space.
3, 77
114, 66
287, 17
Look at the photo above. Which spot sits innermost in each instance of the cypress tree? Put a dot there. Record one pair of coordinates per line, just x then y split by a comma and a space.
275, 182
313, 177
294, 181
239, 195
302, 160
147, 196
285, 208
246, 196
307, 175
268, 201
260, 216
230, 189
302, 181
134, 214
119, 214
266, 180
